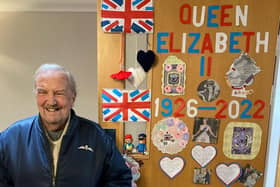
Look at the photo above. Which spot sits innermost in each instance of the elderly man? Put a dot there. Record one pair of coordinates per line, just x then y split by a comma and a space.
57, 148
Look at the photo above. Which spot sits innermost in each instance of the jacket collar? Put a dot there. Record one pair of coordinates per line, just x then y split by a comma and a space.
73, 123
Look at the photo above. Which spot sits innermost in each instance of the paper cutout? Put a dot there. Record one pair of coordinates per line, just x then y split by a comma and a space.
127, 16
249, 176
173, 76
206, 130
241, 75
172, 166
134, 166
201, 176
126, 105
208, 90
203, 155
138, 75
121, 75
146, 59
242, 140
228, 173
170, 135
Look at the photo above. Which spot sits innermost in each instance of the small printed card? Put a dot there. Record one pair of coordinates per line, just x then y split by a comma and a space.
173, 76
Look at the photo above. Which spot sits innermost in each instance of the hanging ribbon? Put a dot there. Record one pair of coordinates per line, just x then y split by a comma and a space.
122, 74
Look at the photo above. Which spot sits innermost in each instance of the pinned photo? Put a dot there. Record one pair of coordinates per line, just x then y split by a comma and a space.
250, 176
241, 74
206, 130
242, 140
208, 90
173, 76
201, 176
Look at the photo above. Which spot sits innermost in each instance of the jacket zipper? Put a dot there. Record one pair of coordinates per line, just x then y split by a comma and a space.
50, 158
52, 169
53, 180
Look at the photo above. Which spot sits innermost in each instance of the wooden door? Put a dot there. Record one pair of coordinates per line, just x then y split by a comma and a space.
210, 38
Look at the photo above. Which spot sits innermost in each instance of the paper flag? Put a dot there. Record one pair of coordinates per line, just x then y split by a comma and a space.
127, 16
126, 105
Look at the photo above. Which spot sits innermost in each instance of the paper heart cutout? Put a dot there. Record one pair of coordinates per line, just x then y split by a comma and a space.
137, 76
203, 155
228, 173
146, 59
172, 166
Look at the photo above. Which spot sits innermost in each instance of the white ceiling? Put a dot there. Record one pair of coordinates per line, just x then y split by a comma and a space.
48, 5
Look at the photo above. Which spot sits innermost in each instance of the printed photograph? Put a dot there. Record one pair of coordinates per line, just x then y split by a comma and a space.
242, 140
250, 176
206, 130
201, 176
208, 90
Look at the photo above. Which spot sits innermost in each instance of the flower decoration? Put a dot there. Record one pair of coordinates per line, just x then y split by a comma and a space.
168, 67
170, 135
173, 76
167, 89
179, 89
180, 68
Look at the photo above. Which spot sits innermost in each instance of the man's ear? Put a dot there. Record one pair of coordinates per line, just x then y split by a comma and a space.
74, 98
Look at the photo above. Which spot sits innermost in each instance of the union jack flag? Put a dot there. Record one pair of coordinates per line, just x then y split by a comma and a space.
127, 16
126, 105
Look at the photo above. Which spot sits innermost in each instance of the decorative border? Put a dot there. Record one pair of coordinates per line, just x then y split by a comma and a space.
228, 134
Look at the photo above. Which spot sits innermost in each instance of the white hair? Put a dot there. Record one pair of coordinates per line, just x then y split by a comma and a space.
56, 67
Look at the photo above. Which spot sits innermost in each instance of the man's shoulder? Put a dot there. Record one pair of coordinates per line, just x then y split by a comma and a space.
20, 125
89, 124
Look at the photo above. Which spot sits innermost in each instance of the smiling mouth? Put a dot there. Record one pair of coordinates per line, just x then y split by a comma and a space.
52, 109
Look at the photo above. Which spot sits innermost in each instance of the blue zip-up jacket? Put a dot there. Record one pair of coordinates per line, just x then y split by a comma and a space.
87, 158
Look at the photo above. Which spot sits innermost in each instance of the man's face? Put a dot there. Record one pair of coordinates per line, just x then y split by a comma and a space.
54, 98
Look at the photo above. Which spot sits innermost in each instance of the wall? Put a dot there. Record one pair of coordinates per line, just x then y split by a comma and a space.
278, 171
31, 38
274, 132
